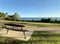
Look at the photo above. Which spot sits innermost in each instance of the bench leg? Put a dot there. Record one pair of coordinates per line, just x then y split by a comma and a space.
23, 33
7, 31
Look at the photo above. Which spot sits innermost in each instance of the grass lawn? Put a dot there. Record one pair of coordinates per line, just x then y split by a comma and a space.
31, 23
38, 37
40, 24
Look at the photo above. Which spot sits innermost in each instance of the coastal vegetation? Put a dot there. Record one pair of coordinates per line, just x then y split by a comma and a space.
16, 17
5, 16
43, 20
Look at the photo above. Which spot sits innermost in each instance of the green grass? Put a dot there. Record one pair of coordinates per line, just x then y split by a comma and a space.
39, 24
31, 23
1, 27
45, 37
38, 37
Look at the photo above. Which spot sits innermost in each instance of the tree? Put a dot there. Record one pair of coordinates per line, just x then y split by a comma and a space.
55, 21
6, 14
49, 20
2, 14
15, 16
9, 17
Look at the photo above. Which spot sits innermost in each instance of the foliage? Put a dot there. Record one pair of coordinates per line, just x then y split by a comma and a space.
44, 20
14, 17
3, 15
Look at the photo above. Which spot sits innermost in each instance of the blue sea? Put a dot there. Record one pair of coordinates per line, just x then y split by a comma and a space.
39, 18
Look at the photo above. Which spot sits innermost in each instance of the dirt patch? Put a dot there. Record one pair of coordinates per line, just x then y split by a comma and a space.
16, 34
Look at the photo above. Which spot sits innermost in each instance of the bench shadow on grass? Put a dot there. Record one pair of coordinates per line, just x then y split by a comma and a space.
38, 37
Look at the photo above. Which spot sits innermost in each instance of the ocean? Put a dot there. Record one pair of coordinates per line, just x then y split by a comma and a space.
38, 18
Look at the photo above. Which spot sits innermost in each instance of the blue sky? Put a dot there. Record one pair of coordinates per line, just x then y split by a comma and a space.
31, 8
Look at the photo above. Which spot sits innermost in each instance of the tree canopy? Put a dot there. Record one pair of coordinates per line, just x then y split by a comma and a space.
2, 14
15, 16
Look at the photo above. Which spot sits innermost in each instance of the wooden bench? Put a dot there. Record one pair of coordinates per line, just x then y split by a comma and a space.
13, 28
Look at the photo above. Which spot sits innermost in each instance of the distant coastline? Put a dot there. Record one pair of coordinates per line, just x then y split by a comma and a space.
39, 18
